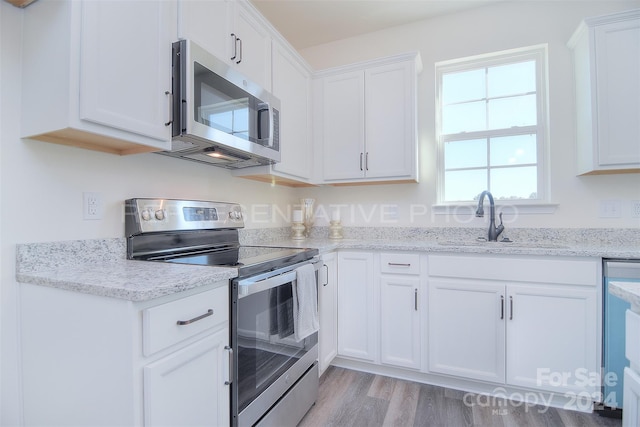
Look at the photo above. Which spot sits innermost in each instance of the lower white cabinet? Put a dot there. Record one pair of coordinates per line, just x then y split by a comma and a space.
379, 308
521, 321
92, 360
631, 404
328, 311
357, 302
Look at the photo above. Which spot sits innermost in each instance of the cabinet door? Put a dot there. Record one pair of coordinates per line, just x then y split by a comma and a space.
466, 329
252, 51
357, 320
400, 326
291, 84
187, 388
631, 405
617, 50
343, 126
208, 24
390, 98
125, 65
551, 334
328, 308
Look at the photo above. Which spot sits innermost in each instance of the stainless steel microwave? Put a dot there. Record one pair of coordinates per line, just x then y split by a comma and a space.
220, 117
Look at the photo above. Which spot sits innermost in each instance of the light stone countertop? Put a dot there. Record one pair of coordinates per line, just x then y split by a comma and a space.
100, 266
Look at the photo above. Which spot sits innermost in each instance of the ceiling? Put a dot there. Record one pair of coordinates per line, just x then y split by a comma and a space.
306, 23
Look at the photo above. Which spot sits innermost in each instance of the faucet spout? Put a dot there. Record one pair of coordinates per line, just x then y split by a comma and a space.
494, 231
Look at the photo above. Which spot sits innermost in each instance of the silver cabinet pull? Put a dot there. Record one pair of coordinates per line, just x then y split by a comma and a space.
327, 276
510, 308
501, 307
415, 299
235, 46
361, 154
366, 161
195, 319
240, 59
230, 378
170, 95
399, 264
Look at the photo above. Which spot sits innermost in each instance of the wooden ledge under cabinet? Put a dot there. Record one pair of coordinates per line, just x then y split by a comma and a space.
20, 3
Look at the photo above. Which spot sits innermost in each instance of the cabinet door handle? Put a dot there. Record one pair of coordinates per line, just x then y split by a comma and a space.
235, 46
361, 154
366, 161
195, 319
398, 264
240, 59
501, 307
327, 276
510, 308
170, 95
230, 377
415, 299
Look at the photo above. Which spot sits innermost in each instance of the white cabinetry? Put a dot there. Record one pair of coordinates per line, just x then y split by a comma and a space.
328, 311
631, 393
366, 121
292, 86
96, 74
231, 30
379, 308
400, 326
606, 53
91, 360
357, 302
526, 321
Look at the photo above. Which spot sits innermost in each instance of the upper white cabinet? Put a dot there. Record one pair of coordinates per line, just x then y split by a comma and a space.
606, 53
366, 121
233, 31
292, 86
97, 74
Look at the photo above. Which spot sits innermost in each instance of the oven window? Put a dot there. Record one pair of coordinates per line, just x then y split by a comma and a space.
266, 346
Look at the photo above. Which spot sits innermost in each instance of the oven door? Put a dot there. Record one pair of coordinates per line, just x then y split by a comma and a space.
268, 360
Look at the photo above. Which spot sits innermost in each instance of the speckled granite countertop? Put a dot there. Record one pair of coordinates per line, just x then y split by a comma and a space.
100, 267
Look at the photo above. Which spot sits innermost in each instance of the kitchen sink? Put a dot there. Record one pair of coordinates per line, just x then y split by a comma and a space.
509, 244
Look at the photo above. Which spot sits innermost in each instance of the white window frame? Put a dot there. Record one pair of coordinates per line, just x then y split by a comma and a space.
538, 53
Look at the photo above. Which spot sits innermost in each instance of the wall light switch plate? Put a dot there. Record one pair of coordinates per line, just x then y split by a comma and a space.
635, 209
91, 205
610, 209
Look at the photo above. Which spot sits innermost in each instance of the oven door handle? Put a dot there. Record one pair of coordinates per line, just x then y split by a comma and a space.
251, 287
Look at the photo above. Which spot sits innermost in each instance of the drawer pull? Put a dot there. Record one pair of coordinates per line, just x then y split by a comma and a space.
195, 319
397, 264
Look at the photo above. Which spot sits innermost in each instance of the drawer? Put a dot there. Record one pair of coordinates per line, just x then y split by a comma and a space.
400, 263
168, 324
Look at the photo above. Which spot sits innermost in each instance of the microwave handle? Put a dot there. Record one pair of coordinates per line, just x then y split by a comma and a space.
269, 111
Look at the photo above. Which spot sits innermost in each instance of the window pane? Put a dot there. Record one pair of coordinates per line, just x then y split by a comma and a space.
465, 154
505, 113
513, 150
464, 185
464, 117
463, 86
514, 183
511, 79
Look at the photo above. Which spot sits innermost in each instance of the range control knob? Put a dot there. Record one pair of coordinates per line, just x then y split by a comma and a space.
159, 214
146, 216
235, 215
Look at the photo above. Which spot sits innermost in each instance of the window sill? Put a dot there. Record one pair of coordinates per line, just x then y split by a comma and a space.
506, 208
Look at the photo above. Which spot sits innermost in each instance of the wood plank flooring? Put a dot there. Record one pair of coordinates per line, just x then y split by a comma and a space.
351, 398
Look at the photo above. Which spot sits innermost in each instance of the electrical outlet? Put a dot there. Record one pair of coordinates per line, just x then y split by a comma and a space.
635, 209
91, 205
610, 209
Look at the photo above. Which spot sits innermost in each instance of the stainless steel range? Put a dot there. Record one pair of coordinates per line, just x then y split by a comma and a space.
273, 302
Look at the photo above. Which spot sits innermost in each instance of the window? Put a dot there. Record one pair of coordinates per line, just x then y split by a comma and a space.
492, 126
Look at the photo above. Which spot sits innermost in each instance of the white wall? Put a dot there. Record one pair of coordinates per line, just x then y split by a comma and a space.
482, 30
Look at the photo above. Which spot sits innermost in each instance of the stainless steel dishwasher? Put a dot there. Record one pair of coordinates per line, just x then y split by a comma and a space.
613, 333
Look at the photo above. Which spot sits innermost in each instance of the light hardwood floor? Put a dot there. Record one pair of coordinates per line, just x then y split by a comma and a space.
351, 398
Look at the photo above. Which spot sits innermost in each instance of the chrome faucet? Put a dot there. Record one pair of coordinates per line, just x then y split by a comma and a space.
494, 231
